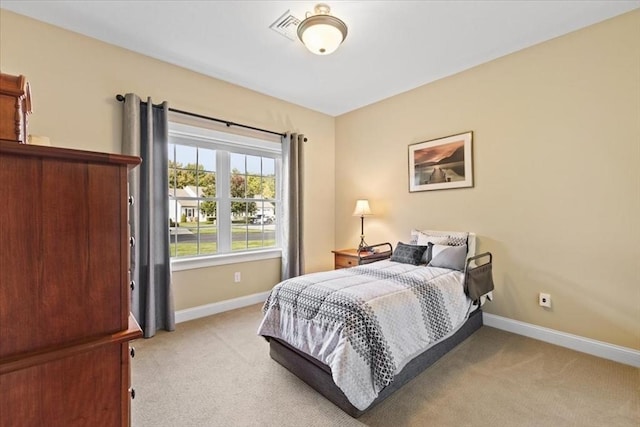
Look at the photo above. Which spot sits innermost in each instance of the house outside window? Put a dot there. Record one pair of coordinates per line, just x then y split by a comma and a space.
223, 193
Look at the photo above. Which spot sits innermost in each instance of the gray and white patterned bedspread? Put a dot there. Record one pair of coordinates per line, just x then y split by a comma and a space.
367, 322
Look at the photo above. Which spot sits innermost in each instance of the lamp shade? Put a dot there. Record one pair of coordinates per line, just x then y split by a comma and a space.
362, 208
322, 33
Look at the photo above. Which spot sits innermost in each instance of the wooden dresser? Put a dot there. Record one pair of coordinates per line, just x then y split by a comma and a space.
15, 107
65, 321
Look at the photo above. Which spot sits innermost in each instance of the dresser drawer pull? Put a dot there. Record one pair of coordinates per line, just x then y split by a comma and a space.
131, 200
132, 241
132, 285
132, 352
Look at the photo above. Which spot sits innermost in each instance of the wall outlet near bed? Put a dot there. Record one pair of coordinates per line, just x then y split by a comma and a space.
237, 277
544, 300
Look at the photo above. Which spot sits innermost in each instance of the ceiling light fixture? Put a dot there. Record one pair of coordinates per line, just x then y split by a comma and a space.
322, 33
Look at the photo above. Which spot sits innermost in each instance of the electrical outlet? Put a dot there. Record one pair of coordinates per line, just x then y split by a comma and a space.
237, 277
544, 300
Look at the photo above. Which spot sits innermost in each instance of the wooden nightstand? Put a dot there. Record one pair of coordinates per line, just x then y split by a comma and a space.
345, 258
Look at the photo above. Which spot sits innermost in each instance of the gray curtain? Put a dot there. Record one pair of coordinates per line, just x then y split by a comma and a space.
145, 134
292, 185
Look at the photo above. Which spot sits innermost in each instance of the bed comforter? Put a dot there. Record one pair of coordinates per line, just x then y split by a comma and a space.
367, 322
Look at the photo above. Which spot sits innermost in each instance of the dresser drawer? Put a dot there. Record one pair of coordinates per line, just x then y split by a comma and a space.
79, 260
345, 261
74, 391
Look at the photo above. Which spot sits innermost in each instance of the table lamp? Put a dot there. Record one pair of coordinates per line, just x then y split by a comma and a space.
362, 209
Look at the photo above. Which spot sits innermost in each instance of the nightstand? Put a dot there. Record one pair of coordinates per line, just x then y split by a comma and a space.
345, 258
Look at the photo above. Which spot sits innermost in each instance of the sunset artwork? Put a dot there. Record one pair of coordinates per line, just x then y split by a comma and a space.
442, 163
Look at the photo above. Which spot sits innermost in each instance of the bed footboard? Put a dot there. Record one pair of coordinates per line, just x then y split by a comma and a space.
318, 375
478, 281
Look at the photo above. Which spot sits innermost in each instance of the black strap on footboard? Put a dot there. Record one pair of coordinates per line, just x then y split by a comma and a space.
375, 253
478, 280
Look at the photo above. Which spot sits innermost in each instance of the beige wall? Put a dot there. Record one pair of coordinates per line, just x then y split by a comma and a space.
74, 81
556, 157
556, 171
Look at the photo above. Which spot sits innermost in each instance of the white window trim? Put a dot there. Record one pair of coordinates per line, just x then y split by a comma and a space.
232, 141
182, 134
190, 263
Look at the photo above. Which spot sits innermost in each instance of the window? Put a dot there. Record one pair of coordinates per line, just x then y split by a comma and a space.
223, 193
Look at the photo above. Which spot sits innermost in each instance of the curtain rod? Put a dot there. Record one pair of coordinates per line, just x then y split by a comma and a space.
226, 122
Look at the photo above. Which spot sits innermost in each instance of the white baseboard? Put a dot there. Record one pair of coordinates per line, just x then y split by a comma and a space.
219, 307
585, 345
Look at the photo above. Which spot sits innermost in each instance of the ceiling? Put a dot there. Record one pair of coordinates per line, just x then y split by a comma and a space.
391, 47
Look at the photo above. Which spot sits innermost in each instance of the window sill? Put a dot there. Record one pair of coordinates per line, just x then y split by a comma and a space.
223, 259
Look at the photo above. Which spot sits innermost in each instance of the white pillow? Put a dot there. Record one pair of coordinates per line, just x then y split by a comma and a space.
455, 238
415, 234
425, 239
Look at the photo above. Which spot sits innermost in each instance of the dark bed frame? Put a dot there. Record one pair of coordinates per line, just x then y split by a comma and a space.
318, 375
477, 282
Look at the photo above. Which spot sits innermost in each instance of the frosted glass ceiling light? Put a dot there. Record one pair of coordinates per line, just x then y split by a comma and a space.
322, 33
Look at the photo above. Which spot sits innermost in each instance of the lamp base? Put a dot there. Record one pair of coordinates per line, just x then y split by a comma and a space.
363, 247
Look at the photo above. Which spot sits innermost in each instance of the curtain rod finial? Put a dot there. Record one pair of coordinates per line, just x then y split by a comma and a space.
120, 97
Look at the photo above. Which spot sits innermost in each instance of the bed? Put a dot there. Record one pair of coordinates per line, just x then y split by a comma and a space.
357, 335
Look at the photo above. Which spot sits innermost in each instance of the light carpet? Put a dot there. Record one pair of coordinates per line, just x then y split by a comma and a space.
216, 371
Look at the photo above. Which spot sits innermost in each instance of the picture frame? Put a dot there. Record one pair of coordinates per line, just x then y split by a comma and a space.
442, 163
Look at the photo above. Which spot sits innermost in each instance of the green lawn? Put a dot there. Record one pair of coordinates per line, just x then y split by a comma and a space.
208, 248
209, 229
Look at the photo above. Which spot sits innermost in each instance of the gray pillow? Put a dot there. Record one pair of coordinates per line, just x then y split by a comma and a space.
451, 257
425, 239
408, 254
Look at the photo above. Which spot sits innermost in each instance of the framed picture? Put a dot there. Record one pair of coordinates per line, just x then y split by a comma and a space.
441, 163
